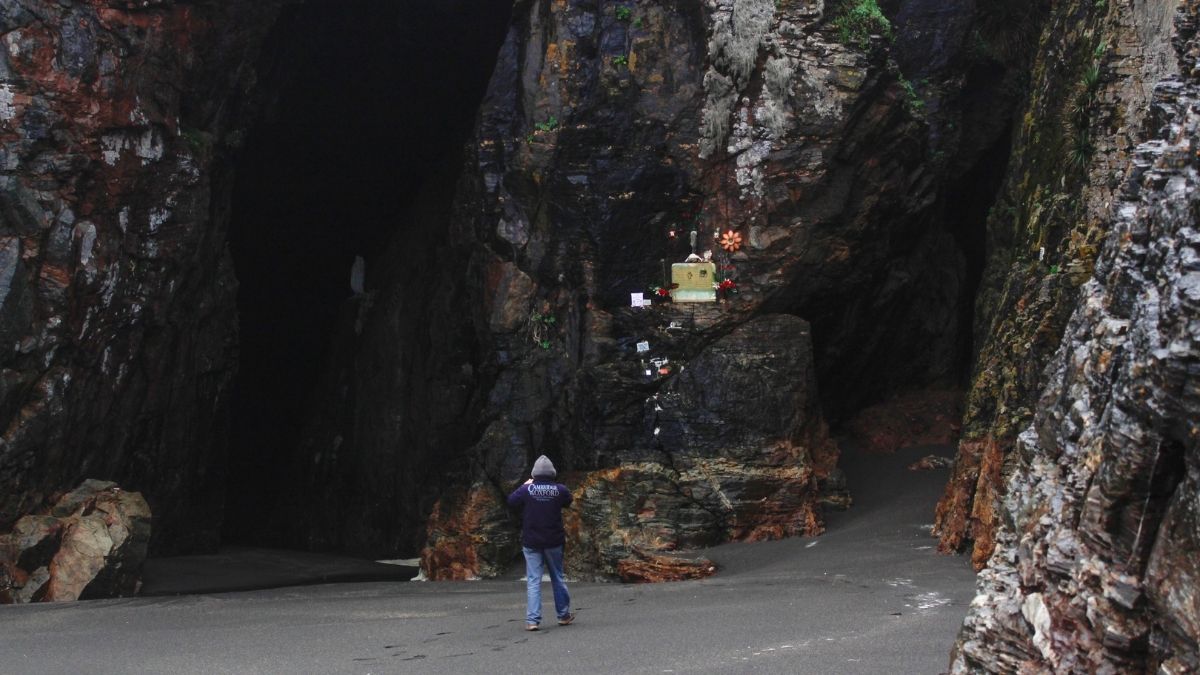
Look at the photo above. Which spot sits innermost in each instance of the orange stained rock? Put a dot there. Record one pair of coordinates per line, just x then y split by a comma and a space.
452, 549
551, 59
645, 567
967, 510
988, 491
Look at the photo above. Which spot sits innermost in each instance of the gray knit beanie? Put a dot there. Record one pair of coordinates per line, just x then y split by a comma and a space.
542, 468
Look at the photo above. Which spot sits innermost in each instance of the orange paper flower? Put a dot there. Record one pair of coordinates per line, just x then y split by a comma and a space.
731, 241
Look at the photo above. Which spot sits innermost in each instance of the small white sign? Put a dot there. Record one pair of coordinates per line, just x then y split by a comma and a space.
635, 299
643, 347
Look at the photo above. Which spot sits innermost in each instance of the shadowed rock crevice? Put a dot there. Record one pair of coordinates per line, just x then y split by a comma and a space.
366, 107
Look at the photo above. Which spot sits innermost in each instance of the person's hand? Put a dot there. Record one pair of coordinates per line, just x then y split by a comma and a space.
528, 481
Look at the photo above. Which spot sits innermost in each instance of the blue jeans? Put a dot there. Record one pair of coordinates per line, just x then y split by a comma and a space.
552, 560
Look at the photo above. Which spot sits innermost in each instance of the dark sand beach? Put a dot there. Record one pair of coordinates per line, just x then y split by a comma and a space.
869, 596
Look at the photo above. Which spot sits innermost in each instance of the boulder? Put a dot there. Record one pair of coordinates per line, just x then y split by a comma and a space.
731, 446
90, 544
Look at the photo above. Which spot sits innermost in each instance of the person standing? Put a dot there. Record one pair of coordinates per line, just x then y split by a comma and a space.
540, 501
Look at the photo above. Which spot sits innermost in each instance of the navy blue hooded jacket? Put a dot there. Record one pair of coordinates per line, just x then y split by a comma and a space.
541, 503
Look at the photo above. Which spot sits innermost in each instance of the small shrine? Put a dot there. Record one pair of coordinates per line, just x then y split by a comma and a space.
694, 282
700, 277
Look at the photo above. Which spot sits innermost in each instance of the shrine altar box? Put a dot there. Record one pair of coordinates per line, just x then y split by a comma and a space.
693, 282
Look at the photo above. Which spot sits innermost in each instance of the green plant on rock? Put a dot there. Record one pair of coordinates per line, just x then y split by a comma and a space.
623, 13
1079, 113
637, 23
1080, 152
857, 20
550, 124
540, 328
916, 104
620, 61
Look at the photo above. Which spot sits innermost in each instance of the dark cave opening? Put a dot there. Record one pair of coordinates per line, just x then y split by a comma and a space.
971, 199
363, 102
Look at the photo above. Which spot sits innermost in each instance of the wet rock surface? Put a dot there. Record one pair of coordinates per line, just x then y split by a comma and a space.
117, 327
1094, 568
91, 544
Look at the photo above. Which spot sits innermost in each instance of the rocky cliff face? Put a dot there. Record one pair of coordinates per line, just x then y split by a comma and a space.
855, 168
608, 134
117, 333
1088, 92
1095, 567
499, 327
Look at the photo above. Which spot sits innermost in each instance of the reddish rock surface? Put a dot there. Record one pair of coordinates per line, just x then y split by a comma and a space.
466, 533
967, 511
91, 544
653, 568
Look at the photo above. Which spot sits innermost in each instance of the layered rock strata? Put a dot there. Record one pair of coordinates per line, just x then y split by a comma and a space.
1087, 96
1095, 565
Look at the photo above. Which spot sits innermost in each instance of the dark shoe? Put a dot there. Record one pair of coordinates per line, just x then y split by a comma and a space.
531, 626
567, 620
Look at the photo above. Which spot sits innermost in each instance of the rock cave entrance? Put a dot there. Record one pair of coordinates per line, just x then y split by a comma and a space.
364, 102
